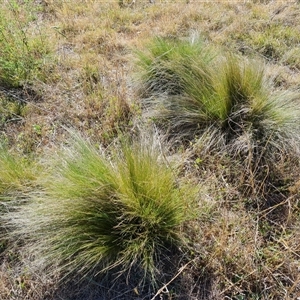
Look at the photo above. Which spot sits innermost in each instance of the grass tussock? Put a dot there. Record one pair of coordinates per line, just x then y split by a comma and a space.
101, 210
229, 93
228, 97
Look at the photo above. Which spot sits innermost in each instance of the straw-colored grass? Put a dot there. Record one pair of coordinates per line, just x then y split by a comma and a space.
220, 80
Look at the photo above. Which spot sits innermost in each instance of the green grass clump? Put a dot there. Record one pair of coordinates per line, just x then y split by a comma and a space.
226, 92
246, 105
159, 65
104, 210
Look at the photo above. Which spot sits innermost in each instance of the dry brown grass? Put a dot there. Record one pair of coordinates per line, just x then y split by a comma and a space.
237, 249
93, 52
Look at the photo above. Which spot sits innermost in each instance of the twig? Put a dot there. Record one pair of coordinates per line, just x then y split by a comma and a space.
165, 285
